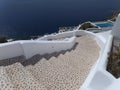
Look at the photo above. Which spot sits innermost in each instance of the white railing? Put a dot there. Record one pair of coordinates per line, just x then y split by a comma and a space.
42, 47
99, 78
29, 48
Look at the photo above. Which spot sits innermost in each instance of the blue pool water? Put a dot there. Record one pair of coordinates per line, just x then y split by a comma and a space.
105, 24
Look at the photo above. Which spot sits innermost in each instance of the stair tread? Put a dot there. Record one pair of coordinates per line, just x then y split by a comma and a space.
57, 71
22, 79
69, 69
5, 82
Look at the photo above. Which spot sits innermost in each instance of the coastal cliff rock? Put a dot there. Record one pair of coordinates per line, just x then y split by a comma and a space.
113, 16
3, 39
87, 25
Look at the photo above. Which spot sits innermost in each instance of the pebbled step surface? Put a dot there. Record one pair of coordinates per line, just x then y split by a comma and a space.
22, 79
65, 70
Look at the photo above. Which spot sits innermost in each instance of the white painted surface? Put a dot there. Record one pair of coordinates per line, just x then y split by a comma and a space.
99, 78
100, 81
115, 85
42, 47
116, 28
29, 48
104, 35
104, 55
10, 50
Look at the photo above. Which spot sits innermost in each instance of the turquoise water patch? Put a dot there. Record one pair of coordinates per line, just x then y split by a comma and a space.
104, 24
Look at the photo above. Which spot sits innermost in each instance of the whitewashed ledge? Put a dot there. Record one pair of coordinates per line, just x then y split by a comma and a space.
29, 48
99, 78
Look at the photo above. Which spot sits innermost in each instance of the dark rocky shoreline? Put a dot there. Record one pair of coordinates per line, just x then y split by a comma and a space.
113, 16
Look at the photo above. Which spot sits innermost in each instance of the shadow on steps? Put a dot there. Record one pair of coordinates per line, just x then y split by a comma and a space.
33, 60
11, 61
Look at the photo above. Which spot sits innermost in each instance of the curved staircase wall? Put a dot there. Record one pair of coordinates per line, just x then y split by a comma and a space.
99, 78
42, 47
29, 48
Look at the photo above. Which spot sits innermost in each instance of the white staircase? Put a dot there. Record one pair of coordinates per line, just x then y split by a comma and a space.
65, 70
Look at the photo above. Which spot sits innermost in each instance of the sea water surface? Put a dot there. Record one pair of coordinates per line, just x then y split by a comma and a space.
24, 18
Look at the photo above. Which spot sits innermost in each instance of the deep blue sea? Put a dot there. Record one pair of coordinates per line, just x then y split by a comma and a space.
25, 18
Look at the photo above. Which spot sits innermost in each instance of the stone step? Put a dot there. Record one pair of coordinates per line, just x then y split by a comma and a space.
13, 60
65, 70
5, 82
22, 79
50, 73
